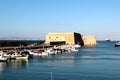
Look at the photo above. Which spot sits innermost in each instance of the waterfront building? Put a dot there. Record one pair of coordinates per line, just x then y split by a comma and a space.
61, 38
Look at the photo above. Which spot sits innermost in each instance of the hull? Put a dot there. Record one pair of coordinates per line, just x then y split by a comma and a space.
117, 44
3, 59
21, 57
44, 54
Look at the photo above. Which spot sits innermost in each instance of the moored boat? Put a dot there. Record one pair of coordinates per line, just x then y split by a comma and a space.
2, 57
77, 46
20, 57
117, 44
41, 53
107, 39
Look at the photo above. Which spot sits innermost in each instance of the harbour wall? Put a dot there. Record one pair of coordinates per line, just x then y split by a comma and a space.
70, 38
62, 38
89, 40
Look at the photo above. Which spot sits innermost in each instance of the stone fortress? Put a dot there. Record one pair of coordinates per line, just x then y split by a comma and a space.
70, 38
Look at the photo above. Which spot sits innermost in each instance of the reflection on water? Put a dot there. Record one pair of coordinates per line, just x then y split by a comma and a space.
16, 64
13, 65
2, 65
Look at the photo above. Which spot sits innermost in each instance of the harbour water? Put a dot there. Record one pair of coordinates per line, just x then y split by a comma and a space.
101, 62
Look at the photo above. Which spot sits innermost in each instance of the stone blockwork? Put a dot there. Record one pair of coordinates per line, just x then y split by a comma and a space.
64, 38
89, 40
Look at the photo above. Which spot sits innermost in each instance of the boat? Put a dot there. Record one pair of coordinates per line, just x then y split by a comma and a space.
20, 55
2, 57
41, 53
117, 44
30, 53
107, 39
73, 49
27, 52
77, 46
23, 55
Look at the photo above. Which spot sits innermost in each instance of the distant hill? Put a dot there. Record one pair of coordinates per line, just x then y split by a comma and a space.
18, 38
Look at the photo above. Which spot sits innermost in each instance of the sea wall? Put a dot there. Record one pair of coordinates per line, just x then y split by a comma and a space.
89, 40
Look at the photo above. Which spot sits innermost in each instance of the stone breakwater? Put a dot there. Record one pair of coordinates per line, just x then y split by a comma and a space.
25, 44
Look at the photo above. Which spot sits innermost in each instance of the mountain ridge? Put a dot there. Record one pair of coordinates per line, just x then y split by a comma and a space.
18, 38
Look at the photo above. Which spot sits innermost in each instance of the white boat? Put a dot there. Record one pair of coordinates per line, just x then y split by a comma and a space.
117, 44
107, 39
2, 57
30, 53
77, 46
50, 51
74, 49
44, 54
22, 57
41, 53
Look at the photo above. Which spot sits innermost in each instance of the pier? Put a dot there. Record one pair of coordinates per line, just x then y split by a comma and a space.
26, 47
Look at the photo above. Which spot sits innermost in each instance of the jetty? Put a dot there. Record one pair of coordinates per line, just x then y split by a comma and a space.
26, 47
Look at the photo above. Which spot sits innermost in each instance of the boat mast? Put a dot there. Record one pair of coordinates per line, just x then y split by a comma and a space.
51, 76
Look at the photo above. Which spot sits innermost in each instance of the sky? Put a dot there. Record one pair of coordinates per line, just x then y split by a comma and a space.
36, 18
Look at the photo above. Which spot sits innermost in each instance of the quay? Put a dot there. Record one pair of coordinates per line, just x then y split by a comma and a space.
26, 47
41, 47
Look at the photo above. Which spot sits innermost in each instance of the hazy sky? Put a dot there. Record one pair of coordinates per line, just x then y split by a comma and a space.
36, 18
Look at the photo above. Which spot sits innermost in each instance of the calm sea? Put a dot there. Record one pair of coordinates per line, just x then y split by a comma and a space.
89, 63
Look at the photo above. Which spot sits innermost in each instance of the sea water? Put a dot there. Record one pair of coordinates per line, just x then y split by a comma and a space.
101, 62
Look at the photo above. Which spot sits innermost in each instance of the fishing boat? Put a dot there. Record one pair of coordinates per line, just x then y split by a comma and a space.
41, 53
117, 44
73, 49
107, 39
30, 53
50, 51
23, 55
2, 57
19, 55
77, 46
